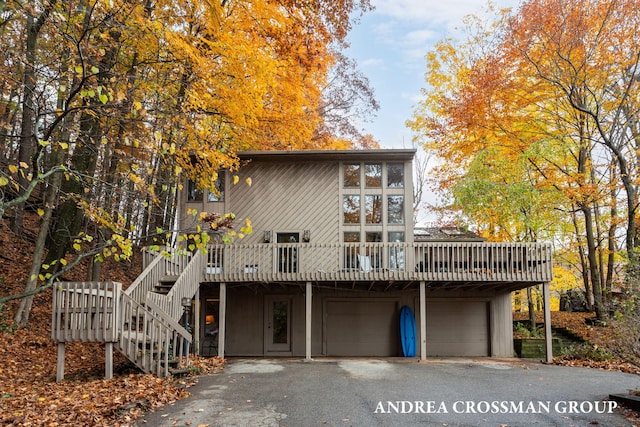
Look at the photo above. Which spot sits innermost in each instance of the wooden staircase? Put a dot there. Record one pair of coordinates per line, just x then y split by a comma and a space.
141, 322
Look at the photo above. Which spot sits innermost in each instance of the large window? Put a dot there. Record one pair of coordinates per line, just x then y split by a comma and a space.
373, 175
395, 175
351, 176
373, 208
395, 209
351, 209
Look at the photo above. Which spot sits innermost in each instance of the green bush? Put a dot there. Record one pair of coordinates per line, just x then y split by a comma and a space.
586, 351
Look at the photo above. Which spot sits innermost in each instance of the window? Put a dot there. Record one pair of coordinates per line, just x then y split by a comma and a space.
373, 208
193, 193
351, 175
395, 210
373, 175
218, 194
351, 209
374, 236
395, 175
351, 236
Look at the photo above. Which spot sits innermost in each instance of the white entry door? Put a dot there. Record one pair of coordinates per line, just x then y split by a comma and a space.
277, 324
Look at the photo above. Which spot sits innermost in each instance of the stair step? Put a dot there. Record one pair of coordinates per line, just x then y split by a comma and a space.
168, 279
179, 372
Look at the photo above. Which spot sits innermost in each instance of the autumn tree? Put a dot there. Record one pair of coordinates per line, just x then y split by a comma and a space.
106, 108
553, 88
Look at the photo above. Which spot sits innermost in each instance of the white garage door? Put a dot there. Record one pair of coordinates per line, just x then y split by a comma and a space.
362, 328
457, 328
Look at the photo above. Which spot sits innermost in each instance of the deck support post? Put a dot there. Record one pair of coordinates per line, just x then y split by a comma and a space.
547, 323
308, 297
223, 319
108, 360
423, 321
60, 363
195, 336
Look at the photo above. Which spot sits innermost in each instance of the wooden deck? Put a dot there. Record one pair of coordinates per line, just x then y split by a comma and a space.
524, 263
101, 312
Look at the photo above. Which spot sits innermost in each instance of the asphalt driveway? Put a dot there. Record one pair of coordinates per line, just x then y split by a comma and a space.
397, 392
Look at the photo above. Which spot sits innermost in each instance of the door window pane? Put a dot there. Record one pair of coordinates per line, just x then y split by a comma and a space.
373, 175
288, 255
351, 175
395, 210
280, 322
395, 175
351, 209
373, 208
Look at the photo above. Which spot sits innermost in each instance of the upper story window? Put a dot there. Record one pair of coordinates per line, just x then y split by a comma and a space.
395, 175
351, 175
194, 194
373, 175
218, 195
395, 209
351, 209
373, 208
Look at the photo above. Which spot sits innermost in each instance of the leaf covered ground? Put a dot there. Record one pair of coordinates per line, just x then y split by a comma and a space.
30, 396
29, 393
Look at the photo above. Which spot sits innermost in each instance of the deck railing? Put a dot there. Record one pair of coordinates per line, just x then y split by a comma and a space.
85, 312
430, 261
101, 312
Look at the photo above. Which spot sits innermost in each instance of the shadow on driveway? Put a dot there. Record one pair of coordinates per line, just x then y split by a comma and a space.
399, 392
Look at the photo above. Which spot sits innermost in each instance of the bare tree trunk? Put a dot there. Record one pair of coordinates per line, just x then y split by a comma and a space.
593, 263
21, 316
28, 144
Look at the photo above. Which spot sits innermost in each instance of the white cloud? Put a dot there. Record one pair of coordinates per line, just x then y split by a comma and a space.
372, 62
446, 12
420, 37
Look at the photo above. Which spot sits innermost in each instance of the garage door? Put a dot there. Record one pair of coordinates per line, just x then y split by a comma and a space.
362, 328
457, 328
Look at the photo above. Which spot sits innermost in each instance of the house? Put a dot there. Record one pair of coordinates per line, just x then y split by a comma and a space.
331, 261
334, 254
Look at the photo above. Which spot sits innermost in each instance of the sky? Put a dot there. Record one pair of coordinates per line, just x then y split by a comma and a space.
389, 45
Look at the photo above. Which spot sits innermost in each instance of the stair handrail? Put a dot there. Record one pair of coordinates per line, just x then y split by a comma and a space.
186, 285
158, 312
155, 337
167, 262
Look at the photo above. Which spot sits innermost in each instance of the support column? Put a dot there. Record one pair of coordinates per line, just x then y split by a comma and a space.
222, 321
60, 364
108, 360
308, 296
196, 323
423, 321
547, 323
